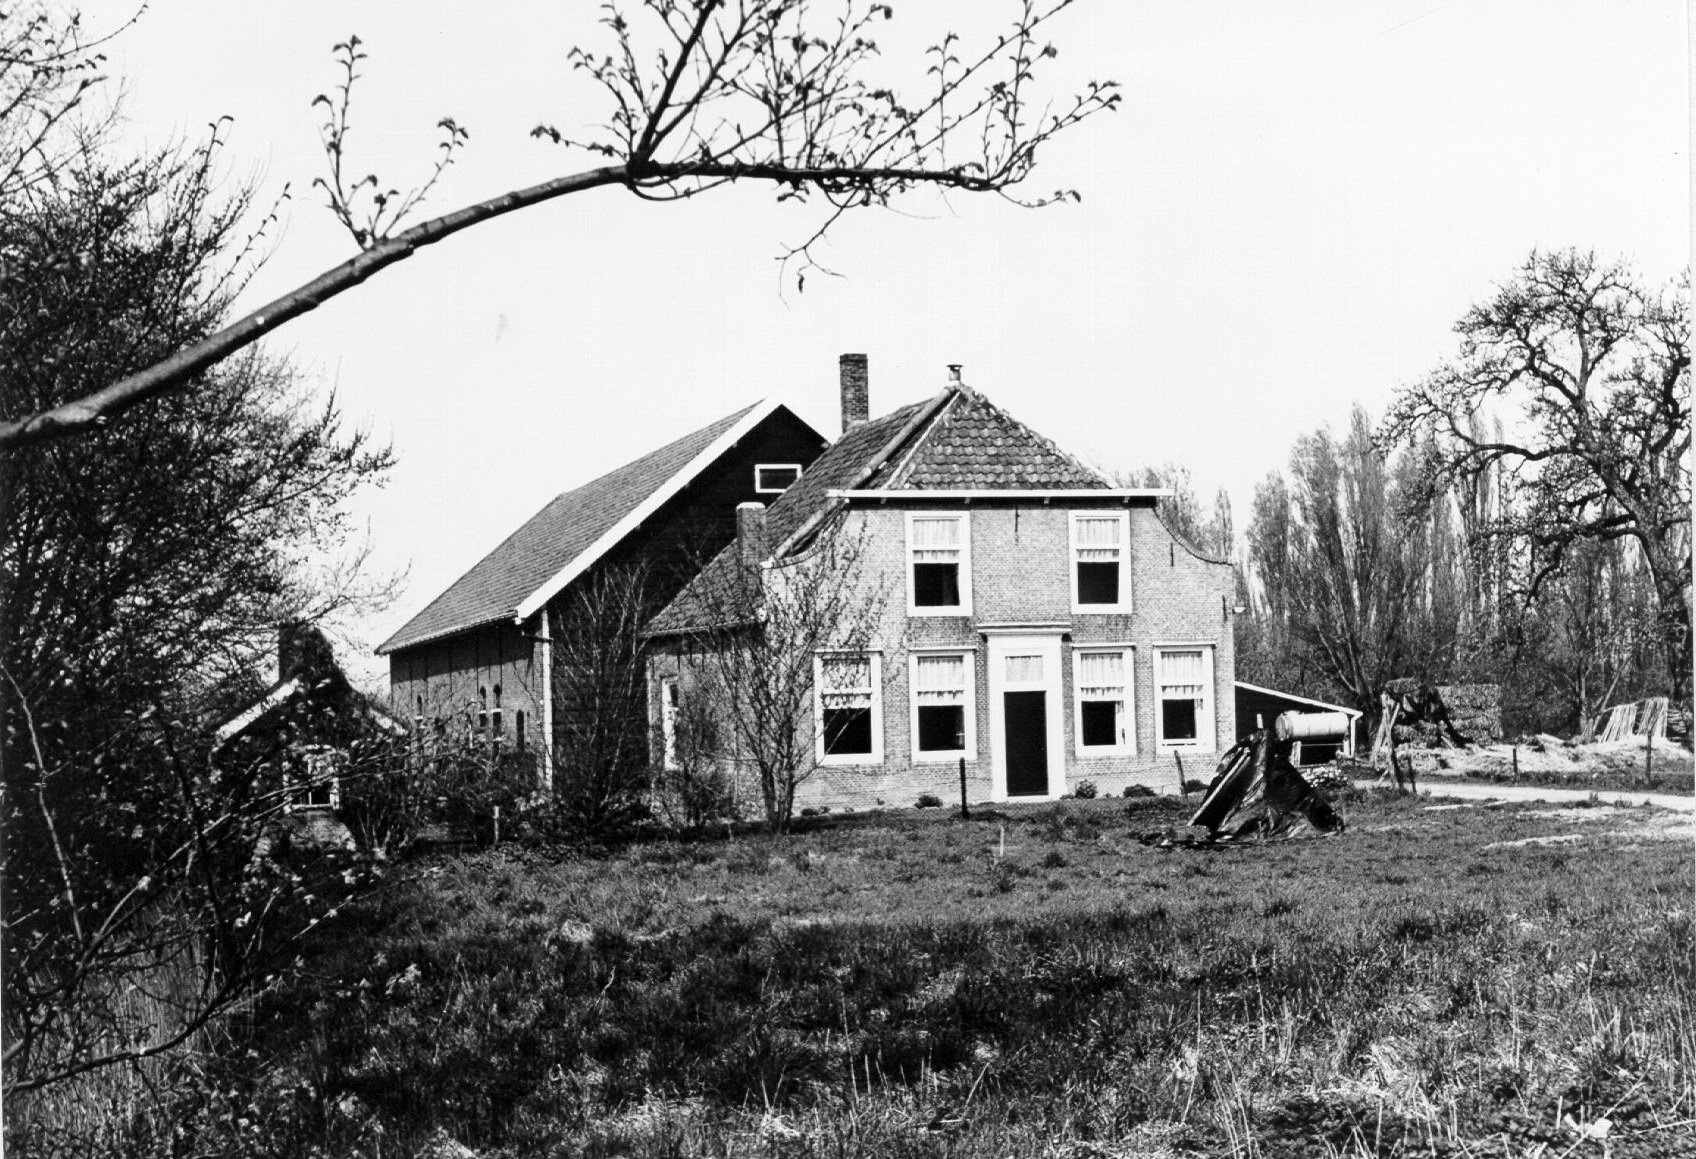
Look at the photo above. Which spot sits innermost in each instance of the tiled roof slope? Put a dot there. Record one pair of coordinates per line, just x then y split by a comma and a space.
550, 540
841, 464
961, 441
975, 445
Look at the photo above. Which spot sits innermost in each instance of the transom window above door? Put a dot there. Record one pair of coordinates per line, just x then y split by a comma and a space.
939, 565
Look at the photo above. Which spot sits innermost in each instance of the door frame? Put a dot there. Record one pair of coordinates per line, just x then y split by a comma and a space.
1044, 642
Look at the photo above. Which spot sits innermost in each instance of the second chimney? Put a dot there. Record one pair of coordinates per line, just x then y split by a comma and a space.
751, 534
856, 406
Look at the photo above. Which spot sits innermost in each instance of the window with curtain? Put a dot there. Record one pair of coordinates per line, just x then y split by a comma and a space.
1098, 557
941, 700
937, 562
1184, 679
847, 691
1101, 681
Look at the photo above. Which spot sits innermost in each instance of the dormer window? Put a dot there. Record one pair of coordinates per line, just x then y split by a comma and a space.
1100, 579
939, 571
775, 478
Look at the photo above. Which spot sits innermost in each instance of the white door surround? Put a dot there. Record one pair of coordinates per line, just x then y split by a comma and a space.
1025, 661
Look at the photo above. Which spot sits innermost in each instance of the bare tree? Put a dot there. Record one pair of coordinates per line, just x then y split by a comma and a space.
599, 683
774, 627
1340, 565
698, 94
1593, 374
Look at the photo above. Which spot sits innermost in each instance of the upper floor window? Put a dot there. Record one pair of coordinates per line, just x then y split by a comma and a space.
1100, 579
848, 708
1105, 714
775, 478
317, 786
1183, 712
939, 565
942, 706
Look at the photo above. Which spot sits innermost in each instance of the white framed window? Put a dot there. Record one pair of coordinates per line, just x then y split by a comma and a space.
1183, 697
668, 721
944, 706
939, 565
1101, 581
316, 785
1104, 701
848, 708
775, 478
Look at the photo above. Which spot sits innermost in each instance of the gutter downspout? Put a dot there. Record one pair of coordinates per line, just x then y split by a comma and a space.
546, 641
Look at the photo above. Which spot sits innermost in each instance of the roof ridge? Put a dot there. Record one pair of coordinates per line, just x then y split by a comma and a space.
447, 614
955, 390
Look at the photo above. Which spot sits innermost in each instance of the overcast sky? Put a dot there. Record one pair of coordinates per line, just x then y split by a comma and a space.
1285, 217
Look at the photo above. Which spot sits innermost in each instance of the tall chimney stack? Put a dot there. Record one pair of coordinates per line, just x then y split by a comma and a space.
856, 407
751, 534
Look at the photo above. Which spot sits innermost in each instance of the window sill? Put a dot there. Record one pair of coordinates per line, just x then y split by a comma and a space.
853, 759
1107, 751
928, 612
944, 758
1101, 609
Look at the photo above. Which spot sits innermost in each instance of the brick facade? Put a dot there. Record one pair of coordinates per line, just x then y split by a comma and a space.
1020, 566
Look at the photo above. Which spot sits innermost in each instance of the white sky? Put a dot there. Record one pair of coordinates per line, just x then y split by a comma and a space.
1287, 214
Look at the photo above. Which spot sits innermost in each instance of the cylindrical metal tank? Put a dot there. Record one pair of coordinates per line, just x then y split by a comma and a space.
1325, 726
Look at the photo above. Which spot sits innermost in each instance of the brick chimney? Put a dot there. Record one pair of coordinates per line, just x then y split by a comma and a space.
751, 534
954, 374
855, 403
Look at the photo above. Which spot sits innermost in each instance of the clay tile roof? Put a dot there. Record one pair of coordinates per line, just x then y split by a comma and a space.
975, 445
556, 536
961, 441
841, 464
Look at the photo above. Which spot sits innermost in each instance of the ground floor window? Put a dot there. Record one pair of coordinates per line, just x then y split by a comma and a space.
1183, 678
848, 709
1105, 718
943, 706
668, 720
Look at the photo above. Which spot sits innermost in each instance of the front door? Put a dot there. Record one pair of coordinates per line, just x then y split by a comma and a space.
1025, 741
1024, 712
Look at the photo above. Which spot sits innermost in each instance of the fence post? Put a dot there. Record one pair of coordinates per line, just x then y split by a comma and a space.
965, 810
1183, 789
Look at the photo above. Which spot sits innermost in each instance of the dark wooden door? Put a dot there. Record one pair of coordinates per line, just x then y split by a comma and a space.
1026, 744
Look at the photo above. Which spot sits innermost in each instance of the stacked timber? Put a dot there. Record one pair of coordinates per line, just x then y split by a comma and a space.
1629, 721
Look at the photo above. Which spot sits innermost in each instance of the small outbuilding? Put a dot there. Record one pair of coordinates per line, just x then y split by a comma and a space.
1325, 739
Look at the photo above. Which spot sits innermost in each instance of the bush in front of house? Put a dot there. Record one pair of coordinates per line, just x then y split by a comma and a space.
1137, 791
1086, 791
928, 801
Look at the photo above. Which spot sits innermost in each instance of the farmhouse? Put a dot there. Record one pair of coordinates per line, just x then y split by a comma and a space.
295, 740
1033, 623
482, 651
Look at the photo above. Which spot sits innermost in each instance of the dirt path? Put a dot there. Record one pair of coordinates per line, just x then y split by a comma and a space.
1437, 788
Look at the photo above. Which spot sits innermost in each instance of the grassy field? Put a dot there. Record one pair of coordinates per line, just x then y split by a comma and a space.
1436, 981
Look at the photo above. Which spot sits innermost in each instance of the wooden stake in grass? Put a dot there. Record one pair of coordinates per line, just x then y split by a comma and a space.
1183, 789
1516, 762
965, 810
1648, 757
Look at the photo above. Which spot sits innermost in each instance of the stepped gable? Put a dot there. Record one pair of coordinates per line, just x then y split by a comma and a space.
976, 446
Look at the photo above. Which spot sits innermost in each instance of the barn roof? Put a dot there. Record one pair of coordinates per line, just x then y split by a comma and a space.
570, 533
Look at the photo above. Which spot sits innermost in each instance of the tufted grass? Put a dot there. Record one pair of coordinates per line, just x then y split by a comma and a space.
1454, 981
